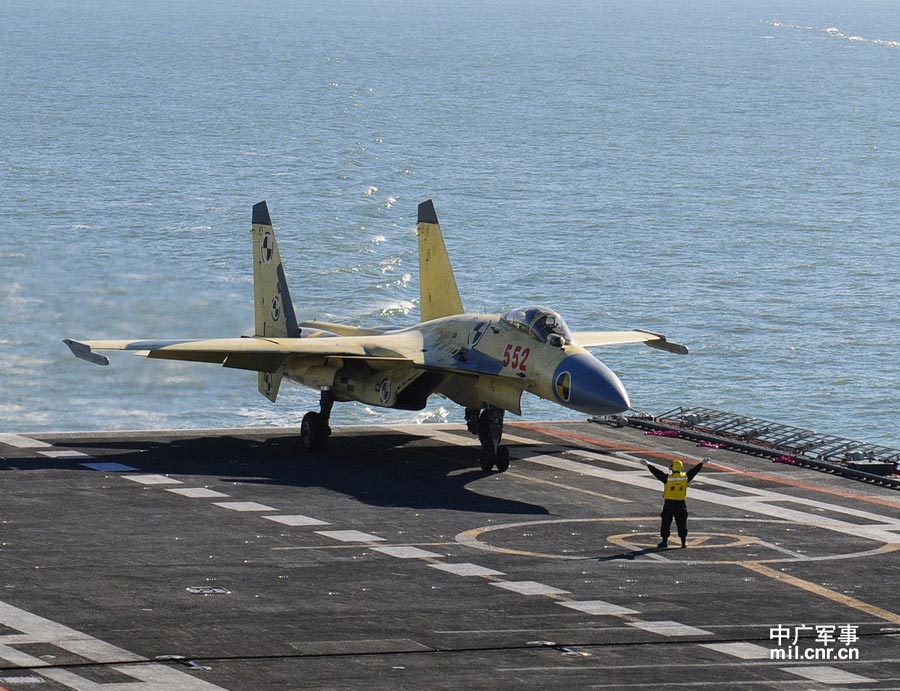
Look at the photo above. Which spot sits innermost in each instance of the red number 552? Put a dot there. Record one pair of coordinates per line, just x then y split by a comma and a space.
515, 357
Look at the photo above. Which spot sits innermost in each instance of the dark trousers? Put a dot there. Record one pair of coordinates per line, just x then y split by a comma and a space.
676, 509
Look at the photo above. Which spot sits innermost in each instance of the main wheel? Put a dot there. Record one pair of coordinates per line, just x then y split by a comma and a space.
503, 459
313, 432
487, 461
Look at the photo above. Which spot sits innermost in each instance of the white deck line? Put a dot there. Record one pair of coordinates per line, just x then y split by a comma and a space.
34, 629
467, 569
197, 492
404, 552
742, 651
20, 442
597, 607
669, 628
349, 536
295, 520
153, 479
64, 454
828, 675
529, 588
244, 506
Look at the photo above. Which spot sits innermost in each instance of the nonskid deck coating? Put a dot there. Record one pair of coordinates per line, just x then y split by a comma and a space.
392, 561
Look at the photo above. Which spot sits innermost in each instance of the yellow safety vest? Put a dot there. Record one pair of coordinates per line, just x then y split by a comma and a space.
676, 486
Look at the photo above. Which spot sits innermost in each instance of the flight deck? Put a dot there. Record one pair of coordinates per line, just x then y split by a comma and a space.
231, 559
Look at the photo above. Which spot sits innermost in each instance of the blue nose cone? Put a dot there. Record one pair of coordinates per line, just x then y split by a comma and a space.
585, 384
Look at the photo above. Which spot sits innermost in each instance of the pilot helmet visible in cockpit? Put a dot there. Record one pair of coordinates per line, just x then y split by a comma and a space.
540, 323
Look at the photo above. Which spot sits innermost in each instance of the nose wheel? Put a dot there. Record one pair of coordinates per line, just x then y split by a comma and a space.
487, 423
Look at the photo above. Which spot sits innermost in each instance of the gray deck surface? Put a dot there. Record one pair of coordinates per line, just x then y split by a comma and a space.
393, 562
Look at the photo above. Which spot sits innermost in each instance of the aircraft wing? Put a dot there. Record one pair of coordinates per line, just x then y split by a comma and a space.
260, 354
589, 339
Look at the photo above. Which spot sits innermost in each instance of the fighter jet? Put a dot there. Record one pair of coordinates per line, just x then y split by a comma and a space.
483, 362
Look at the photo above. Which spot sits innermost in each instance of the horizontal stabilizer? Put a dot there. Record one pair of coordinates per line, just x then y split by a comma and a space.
269, 383
330, 328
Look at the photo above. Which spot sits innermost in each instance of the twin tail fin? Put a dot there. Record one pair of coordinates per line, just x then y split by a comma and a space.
273, 308
438, 293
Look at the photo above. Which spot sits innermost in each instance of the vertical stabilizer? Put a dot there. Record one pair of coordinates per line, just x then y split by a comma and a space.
439, 296
272, 306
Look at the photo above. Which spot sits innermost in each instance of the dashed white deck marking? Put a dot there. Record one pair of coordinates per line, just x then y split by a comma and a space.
444, 432
349, 536
828, 675
296, 520
438, 435
37, 630
64, 454
597, 607
467, 569
153, 479
529, 588
743, 651
197, 492
244, 506
515, 439
21, 442
24, 681
109, 467
669, 628
407, 552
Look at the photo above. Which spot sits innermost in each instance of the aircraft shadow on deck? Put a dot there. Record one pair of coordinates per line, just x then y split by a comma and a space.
376, 469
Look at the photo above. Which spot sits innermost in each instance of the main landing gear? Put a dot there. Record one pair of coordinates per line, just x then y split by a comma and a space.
314, 429
487, 423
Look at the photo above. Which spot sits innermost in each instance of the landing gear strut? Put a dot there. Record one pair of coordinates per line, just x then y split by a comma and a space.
487, 423
314, 429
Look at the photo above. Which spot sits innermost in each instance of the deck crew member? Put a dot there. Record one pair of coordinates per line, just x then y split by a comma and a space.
674, 495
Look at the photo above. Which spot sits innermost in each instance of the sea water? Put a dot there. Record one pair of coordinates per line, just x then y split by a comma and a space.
726, 173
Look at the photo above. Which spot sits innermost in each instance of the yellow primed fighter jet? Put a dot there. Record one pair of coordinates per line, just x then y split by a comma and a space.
483, 362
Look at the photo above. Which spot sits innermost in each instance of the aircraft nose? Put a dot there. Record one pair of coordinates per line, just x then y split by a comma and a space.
585, 384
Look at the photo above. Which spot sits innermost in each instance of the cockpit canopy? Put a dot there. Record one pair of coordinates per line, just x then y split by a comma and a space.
540, 323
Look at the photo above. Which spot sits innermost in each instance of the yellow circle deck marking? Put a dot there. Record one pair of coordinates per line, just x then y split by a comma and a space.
695, 540
638, 541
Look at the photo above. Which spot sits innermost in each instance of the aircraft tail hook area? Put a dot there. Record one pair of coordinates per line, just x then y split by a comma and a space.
482, 362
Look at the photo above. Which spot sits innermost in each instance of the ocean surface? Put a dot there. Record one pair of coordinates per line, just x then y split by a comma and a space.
724, 172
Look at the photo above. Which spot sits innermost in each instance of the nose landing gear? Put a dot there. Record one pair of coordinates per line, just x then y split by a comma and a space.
487, 423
